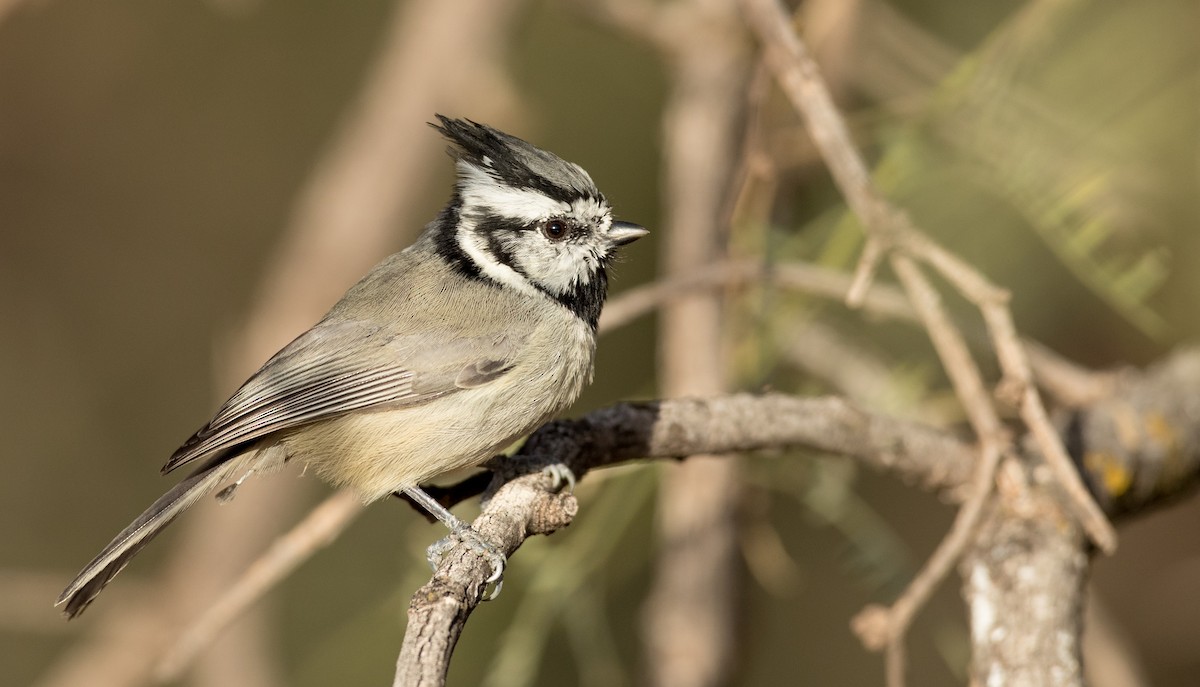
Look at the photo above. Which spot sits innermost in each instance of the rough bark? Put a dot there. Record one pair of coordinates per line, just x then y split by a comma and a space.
1024, 571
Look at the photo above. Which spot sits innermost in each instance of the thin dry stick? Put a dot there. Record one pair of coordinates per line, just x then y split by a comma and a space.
864, 273
794, 276
1033, 413
1071, 384
992, 301
644, 299
892, 625
319, 529
801, 80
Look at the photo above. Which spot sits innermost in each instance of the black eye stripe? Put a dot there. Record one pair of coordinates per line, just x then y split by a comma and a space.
501, 242
494, 230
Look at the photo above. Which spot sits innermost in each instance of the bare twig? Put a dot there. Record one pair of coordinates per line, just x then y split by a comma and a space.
864, 274
801, 81
880, 628
1018, 382
522, 506
1033, 413
642, 300
316, 531
848, 368
886, 226
1070, 383
952, 349
794, 276
1066, 381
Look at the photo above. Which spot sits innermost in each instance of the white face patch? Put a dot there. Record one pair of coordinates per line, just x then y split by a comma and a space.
481, 192
560, 267
475, 246
525, 258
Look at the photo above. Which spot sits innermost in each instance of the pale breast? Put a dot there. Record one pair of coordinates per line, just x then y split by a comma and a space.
382, 450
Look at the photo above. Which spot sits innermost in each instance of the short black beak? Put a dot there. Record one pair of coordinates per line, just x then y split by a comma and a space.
621, 233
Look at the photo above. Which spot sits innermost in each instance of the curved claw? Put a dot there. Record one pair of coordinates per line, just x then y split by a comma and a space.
497, 579
560, 474
438, 550
478, 545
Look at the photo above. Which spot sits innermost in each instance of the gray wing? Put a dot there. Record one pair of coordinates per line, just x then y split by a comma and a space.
339, 367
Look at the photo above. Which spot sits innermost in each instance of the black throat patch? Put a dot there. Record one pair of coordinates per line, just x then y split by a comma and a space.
586, 300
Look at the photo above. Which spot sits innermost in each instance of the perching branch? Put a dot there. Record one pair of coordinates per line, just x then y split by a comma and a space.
518, 503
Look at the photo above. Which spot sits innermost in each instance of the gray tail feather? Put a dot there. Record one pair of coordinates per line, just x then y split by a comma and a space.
88, 583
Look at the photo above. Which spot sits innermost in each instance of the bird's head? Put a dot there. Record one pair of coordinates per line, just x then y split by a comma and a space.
529, 220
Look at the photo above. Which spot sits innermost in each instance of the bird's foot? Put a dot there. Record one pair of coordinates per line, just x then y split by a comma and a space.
559, 474
479, 546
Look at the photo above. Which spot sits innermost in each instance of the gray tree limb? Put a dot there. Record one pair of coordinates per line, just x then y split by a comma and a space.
1024, 530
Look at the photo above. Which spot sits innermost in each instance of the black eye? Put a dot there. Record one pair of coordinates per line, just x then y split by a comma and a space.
555, 229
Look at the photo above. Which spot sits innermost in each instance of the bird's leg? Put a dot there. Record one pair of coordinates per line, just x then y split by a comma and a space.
460, 531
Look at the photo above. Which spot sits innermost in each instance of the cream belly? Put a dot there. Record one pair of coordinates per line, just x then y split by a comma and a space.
378, 452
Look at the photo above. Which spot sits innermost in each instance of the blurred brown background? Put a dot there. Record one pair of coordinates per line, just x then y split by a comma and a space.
153, 157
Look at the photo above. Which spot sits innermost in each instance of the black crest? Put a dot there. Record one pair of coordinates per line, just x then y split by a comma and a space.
514, 162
